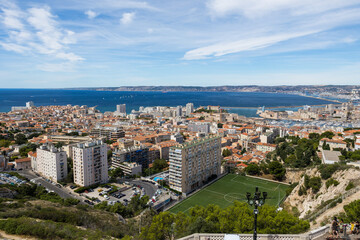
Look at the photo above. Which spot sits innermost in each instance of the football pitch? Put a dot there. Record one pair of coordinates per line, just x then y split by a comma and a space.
230, 188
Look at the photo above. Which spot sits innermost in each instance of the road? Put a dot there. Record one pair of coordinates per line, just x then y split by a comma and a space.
149, 188
63, 192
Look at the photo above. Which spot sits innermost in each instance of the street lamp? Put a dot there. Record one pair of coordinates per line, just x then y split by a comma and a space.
257, 201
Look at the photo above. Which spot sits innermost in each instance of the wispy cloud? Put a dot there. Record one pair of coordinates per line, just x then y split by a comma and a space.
36, 31
293, 19
127, 18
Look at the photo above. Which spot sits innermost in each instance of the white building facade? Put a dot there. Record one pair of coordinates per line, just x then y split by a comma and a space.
90, 163
51, 163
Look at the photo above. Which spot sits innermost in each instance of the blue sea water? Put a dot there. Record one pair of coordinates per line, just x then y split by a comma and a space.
107, 100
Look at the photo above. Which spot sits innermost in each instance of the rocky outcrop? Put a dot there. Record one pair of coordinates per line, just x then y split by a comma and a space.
310, 202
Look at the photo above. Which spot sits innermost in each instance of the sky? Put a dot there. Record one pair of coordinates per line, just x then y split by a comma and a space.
112, 43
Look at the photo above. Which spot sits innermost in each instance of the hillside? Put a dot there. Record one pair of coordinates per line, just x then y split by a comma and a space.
319, 196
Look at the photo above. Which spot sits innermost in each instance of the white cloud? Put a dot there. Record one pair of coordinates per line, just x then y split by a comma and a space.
259, 8
239, 46
127, 18
36, 31
91, 14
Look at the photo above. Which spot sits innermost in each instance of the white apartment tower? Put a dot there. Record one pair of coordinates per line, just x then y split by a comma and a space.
192, 163
90, 163
189, 109
51, 162
121, 108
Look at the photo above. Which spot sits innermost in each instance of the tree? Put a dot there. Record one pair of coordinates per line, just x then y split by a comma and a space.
252, 169
159, 165
20, 139
4, 143
277, 170
220, 125
226, 152
327, 134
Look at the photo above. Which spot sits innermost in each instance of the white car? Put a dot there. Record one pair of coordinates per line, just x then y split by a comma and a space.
106, 197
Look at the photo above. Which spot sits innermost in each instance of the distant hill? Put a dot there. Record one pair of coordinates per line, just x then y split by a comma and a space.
247, 88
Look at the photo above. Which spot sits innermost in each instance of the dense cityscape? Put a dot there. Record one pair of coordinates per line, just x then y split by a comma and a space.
156, 159
180, 120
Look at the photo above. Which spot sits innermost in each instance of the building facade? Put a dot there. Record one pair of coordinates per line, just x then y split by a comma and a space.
51, 162
137, 154
90, 163
192, 163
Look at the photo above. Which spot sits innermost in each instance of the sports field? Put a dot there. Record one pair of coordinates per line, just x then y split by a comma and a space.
230, 188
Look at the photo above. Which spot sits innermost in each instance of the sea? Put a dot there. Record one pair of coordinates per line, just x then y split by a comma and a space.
242, 103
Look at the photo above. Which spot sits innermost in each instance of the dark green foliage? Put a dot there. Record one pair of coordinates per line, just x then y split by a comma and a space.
220, 125
277, 170
20, 139
349, 186
330, 182
299, 153
291, 188
313, 183
327, 170
327, 134
352, 210
226, 152
26, 149
237, 218
252, 169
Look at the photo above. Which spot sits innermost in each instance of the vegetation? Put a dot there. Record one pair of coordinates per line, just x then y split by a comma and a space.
349, 186
327, 170
313, 183
158, 166
226, 152
253, 169
135, 206
296, 152
331, 182
237, 218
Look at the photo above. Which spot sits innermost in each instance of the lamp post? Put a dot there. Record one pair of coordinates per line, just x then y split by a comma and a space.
257, 200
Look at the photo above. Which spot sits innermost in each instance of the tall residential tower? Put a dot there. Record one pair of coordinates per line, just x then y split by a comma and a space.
90, 163
192, 163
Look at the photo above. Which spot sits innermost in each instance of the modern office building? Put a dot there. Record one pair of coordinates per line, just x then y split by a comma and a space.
138, 154
189, 109
90, 163
192, 163
51, 162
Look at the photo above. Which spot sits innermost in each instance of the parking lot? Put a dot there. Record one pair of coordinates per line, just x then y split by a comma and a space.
9, 179
123, 195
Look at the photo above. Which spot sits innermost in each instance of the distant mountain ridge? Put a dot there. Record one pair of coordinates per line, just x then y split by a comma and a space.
229, 88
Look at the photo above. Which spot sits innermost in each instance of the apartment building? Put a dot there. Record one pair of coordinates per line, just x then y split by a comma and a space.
51, 162
192, 163
203, 127
138, 154
108, 132
90, 163
130, 168
265, 147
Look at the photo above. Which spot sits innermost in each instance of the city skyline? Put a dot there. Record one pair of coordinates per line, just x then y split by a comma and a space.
190, 43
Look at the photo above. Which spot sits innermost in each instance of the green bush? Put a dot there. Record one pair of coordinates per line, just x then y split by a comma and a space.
330, 182
349, 186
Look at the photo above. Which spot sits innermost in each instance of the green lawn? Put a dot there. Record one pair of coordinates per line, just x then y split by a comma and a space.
230, 188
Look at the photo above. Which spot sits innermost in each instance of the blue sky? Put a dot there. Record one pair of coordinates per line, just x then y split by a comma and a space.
109, 43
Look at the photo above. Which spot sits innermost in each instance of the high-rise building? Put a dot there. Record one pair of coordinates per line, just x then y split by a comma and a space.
121, 108
192, 163
51, 162
178, 111
90, 163
189, 109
